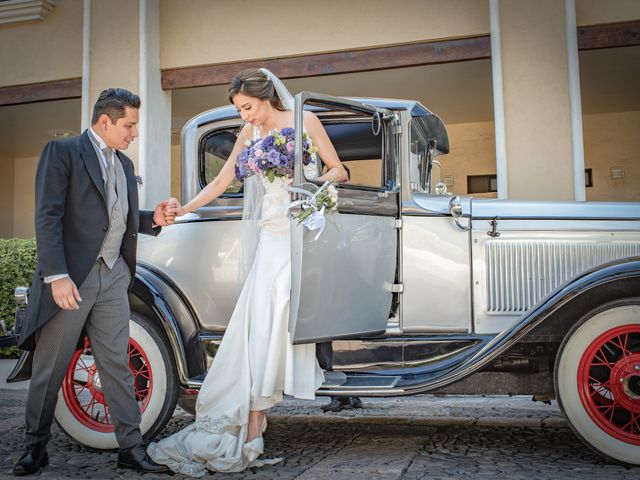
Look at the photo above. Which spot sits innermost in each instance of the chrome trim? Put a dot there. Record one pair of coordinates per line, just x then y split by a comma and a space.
194, 383
489, 208
387, 392
428, 205
455, 208
210, 343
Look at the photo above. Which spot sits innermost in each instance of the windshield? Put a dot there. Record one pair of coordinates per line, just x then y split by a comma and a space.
421, 151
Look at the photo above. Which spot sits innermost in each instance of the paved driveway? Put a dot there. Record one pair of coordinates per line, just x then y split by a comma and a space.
421, 437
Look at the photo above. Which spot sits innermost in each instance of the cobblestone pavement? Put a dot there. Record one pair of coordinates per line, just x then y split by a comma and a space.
424, 437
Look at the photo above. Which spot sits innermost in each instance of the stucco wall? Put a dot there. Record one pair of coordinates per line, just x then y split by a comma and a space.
229, 31
176, 173
610, 140
45, 50
591, 12
472, 152
24, 196
6, 196
613, 140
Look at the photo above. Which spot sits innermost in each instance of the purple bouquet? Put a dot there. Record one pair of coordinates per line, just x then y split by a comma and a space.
272, 156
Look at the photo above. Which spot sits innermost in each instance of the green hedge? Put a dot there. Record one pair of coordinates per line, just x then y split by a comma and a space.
17, 264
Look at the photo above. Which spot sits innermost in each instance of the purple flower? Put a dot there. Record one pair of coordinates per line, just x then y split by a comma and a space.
273, 156
267, 142
265, 157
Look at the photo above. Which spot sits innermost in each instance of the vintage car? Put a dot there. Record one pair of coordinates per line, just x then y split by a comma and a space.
408, 289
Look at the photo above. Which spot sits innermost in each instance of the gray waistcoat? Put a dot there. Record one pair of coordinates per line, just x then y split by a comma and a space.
117, 206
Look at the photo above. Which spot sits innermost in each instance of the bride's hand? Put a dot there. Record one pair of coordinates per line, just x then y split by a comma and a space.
174, 208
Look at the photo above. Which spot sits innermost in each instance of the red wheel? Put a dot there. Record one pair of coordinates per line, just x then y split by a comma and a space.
82, 389
82, 410
609, 379
598, 380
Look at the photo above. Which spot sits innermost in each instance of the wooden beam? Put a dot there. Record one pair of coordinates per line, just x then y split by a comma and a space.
349, 61
41, 92
590, 37
609, 35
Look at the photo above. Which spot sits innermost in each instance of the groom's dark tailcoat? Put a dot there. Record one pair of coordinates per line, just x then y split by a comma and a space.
72, 221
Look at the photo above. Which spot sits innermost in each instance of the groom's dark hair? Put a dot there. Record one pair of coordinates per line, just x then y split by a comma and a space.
113, 102
253, 83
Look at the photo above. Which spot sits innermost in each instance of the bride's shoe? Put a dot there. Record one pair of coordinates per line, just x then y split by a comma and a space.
253, 448
263, 427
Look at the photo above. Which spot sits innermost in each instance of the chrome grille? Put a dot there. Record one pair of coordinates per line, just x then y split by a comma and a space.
520, 274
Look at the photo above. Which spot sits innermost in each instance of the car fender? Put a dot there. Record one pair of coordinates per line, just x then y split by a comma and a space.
156, 296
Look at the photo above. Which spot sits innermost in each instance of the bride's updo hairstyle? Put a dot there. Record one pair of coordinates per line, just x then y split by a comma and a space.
253, 83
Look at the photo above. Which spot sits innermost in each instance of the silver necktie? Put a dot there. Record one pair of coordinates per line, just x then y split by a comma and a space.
111, 177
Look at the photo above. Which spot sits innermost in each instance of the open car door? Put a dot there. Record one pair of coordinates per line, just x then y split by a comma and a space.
342, 282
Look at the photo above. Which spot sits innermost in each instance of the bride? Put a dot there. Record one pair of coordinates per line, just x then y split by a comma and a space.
256, 362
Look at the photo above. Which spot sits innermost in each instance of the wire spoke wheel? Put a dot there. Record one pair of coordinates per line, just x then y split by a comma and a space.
598, 380
83, 393
609, 379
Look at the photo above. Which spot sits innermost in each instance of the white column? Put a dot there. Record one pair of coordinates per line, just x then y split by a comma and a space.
575, 101
85, 111
154, 153
498, 100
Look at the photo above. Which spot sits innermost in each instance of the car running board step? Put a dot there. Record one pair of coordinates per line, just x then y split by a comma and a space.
357, 382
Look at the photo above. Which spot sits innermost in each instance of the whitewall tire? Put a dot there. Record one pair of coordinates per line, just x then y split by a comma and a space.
598, 380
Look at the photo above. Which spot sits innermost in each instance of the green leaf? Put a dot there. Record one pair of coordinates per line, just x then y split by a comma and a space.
17, 264
271, 175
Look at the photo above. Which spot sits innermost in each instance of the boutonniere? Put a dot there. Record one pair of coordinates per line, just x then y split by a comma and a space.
138, 181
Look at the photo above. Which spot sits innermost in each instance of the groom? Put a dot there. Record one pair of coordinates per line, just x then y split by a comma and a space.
87, 222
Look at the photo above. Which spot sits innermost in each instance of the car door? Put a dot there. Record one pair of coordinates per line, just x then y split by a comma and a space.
343, 281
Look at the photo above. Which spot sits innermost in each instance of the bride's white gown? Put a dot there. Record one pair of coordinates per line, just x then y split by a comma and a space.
255, 364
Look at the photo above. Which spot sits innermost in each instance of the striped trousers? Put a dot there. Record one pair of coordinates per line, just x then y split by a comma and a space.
104, 316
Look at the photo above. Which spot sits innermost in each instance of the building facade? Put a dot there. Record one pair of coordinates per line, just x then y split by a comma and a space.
540, 98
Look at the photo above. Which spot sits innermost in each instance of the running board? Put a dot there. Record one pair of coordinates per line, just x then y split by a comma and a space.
338, 381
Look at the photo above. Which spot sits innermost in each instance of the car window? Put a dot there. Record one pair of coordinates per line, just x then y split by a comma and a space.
360, 150
215, 148
421, 152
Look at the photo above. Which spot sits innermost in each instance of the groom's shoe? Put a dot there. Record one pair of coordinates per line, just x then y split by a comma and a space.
34, 458
136, 458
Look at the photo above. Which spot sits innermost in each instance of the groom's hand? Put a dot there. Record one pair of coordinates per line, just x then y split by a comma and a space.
65, 293
160, 215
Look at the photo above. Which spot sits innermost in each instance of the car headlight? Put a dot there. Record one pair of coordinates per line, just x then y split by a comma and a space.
21, 295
